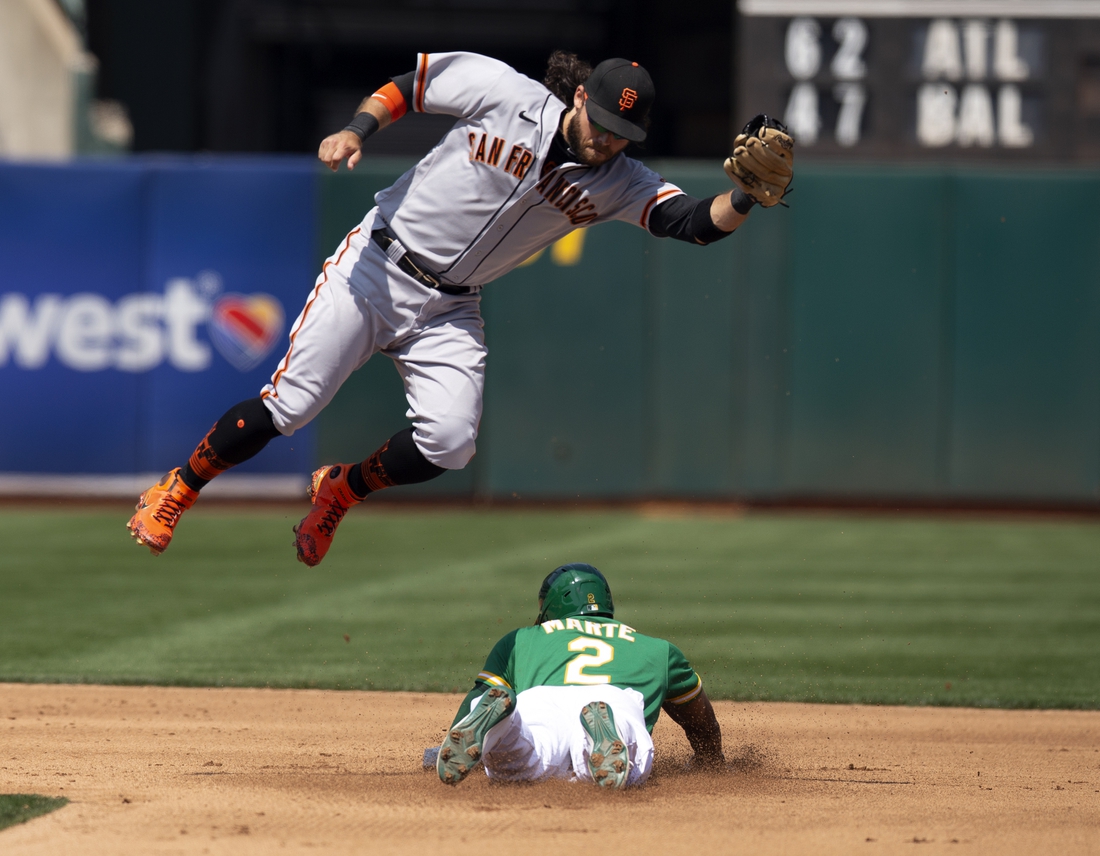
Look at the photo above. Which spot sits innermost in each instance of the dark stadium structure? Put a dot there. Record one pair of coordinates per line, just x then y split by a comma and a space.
279, 75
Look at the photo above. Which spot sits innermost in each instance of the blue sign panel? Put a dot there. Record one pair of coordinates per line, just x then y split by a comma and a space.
139, 300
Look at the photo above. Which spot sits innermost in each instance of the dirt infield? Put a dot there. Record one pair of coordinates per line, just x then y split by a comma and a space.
152, 770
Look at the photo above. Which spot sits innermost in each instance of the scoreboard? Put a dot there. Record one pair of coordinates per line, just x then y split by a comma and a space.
1000, 80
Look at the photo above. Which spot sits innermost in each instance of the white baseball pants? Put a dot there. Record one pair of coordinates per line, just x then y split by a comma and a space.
543, 738
363, 304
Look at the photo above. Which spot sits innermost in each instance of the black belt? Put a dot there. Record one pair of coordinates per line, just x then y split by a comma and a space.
406, 264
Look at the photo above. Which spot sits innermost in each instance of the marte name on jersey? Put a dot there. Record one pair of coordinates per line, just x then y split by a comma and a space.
605, 630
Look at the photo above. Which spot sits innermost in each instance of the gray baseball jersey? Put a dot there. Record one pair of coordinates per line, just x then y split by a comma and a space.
480, 202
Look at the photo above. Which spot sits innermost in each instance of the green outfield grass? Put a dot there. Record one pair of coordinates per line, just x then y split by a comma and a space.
827, 607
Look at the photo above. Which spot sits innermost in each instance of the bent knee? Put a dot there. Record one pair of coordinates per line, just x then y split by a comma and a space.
296, 402
448, 442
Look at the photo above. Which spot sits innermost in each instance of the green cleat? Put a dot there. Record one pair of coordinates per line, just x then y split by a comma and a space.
461, 749
608, 761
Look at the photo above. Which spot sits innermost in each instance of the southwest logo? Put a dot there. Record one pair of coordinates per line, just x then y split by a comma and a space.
88, 332
245, 327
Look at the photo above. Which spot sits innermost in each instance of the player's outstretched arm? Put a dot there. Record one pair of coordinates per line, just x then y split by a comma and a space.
385, 106
729, 210
699, 221
701, 727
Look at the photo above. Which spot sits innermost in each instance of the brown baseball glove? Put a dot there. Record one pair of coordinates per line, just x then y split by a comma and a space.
762, 163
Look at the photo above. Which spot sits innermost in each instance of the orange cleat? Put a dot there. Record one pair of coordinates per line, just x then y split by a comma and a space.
331, 498
158, 511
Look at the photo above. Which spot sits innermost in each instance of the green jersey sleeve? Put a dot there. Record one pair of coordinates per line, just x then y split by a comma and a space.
499, 671
684, 684
500, 665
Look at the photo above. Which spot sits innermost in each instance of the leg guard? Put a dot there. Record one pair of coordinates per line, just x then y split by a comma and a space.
398, 461
241, 433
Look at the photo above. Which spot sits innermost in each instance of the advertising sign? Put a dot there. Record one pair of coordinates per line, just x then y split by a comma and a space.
139, 300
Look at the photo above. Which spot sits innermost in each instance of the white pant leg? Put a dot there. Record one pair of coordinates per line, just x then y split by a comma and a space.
443, 367
544, 737
629, 708
338, 330
361, 304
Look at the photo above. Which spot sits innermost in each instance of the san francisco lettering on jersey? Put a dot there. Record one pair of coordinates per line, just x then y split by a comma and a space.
507, 125
517, 163
569, 198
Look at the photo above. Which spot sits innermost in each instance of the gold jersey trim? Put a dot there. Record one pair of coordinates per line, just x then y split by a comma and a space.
690, 694
493, 680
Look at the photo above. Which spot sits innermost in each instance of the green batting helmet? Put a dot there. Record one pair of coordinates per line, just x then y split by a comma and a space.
574, 589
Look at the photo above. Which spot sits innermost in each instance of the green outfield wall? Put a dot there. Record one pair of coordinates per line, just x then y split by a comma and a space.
898, 333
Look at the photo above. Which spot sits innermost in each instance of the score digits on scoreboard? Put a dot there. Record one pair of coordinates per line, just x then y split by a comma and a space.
962, 79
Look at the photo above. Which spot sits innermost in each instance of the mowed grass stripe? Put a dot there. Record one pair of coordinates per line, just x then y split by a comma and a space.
374, 608
840, 608
801, 607
212, 612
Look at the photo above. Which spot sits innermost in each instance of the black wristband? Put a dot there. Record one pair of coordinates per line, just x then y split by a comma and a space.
741, 203
363, 125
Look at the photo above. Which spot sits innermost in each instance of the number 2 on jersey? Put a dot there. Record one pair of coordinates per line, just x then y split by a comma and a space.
575, 669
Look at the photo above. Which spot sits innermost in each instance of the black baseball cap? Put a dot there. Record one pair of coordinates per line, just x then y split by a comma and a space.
620, 93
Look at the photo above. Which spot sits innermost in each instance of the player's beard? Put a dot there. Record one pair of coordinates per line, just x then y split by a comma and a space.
589, 155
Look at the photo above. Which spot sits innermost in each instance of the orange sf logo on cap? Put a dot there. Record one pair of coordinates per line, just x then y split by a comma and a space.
626, 101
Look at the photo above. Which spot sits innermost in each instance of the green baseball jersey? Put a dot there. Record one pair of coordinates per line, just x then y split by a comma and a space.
588, 652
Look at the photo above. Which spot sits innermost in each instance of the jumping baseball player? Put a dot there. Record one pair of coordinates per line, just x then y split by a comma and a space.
524, 164
577, 695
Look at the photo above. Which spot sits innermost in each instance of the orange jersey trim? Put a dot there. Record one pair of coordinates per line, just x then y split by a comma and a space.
421, 84
305, 313
664, 194
392, 100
